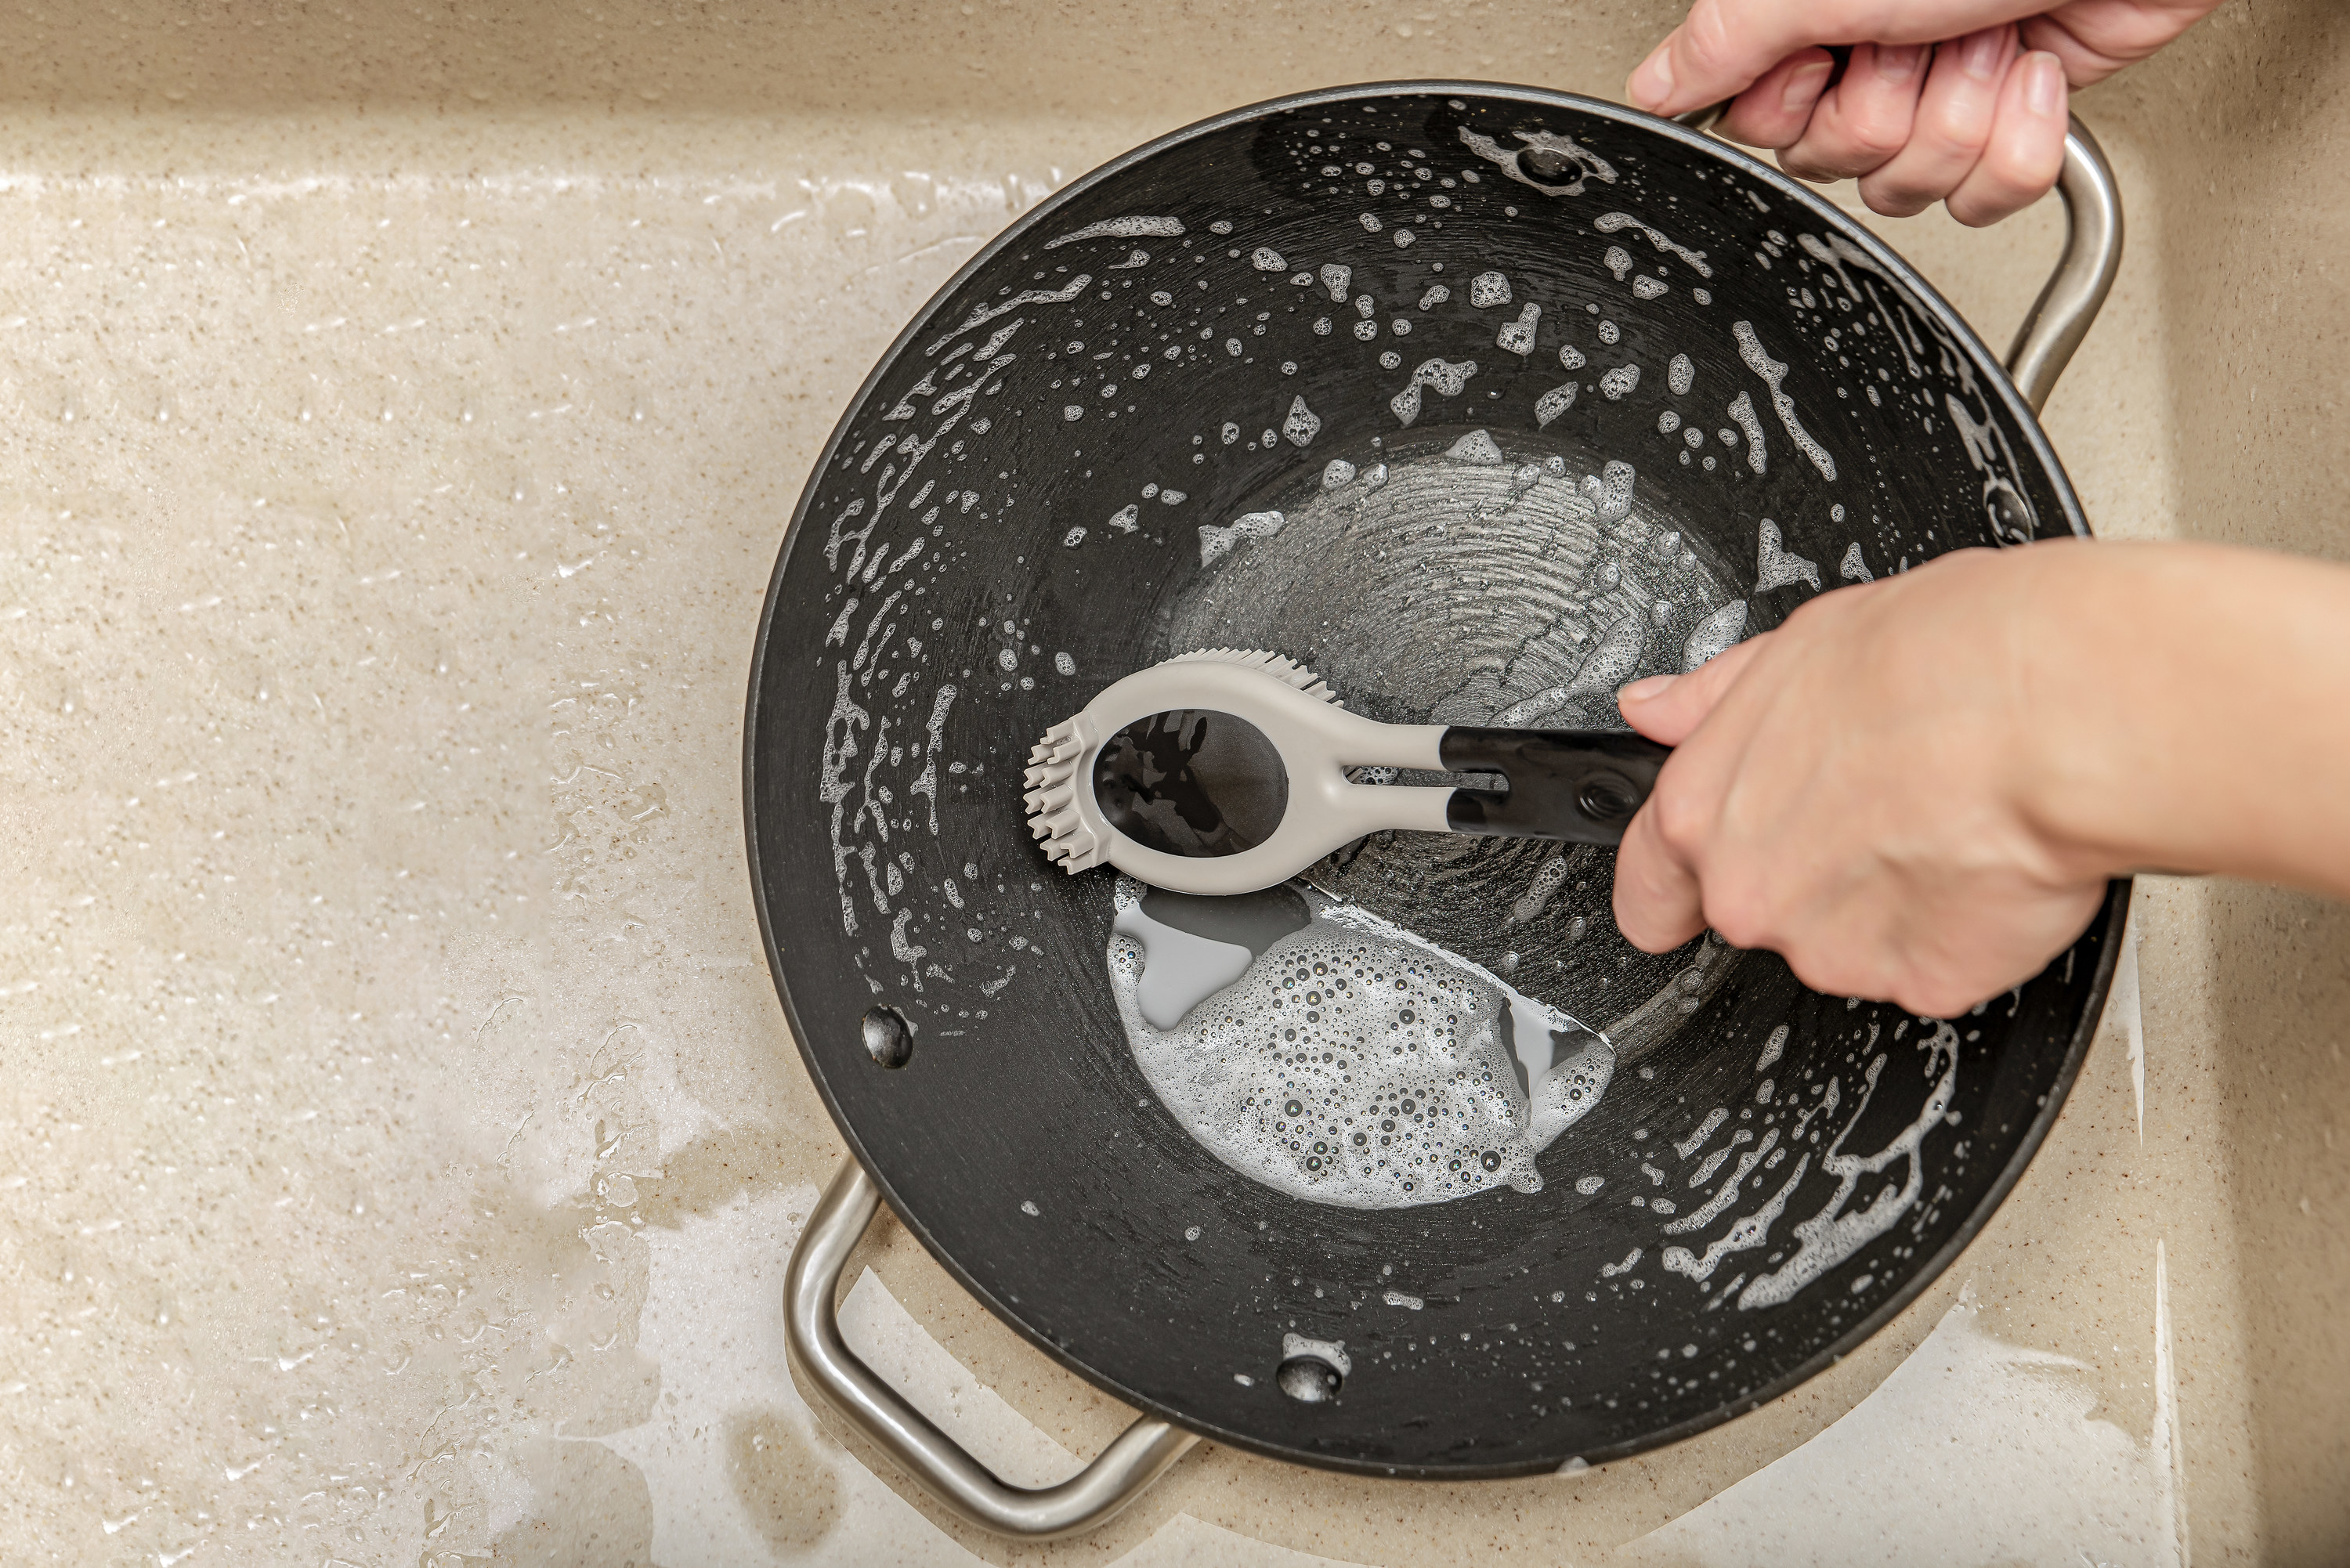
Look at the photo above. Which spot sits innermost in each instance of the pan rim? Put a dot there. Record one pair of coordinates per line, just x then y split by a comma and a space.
2112, 917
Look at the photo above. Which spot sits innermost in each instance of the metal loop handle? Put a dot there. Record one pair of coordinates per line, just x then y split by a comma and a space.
1140, 1455
2084, 272
2076, 290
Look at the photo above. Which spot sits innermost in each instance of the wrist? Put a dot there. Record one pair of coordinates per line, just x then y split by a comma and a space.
2095, 629
2180, 709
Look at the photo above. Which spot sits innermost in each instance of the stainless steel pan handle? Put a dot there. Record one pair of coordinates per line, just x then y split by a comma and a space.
1117, 1475
2076, 290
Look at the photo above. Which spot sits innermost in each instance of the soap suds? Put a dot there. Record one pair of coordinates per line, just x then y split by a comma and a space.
1355, 1064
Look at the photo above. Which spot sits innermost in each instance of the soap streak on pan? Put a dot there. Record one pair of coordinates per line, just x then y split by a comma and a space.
1831, 1234
2012, 518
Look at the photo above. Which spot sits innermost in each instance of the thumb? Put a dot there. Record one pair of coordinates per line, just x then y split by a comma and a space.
1721, 48
1668, 709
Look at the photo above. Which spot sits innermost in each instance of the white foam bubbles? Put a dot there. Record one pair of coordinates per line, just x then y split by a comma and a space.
1355, 1064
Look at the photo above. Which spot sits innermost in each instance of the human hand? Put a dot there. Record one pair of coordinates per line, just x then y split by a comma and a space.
1956, 100
1855, 791
1915, 790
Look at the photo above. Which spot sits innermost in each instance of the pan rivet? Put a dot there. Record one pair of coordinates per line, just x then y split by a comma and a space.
1606, 798
888, 1038
1309, 1379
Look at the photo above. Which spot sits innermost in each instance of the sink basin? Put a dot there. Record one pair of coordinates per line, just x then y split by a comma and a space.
404, 1146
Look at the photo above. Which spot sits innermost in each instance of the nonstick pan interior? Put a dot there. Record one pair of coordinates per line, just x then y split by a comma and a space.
1480, 401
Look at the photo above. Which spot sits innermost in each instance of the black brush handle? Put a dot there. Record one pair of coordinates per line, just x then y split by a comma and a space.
1580, 785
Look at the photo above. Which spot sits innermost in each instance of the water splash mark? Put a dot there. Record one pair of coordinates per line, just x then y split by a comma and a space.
1518, 336
874, 799
1775, 566
1775, 373
1831, 1236
1615, 222
1714, 635
1129, 228
1606, 667
1216, 543
905, 951
982, 314
840, 727
1554, 402
1745, 1234
1741, 414
1443, 376
838, 536
1705, 1129
1477, 448
1614, 492
867, 647
927, 783
1539, 892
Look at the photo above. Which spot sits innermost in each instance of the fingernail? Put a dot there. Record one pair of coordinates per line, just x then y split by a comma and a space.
1652, 83
1898, 62
1978, 54
1647, 690
2044, 83
1803, 89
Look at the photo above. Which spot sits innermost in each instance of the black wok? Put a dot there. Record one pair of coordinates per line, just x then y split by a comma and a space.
1009, 515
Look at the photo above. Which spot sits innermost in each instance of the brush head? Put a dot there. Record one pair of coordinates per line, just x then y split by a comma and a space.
1063, 815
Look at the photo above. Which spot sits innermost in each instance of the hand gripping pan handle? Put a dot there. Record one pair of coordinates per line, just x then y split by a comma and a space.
1117, 1476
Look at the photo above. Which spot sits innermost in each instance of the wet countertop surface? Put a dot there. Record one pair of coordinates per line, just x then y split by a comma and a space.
402, 1144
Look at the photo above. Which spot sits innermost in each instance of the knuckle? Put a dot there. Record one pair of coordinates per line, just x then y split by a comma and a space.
1921, 1000
1830, 975
1982, 209
1876, 138
1894, 199
1741, 918
1682, 820
1955, 138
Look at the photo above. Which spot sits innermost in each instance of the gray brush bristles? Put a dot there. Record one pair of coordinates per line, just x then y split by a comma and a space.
1053, 783
1286, 670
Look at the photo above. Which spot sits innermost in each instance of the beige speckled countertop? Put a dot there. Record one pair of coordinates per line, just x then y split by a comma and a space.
400, 1144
